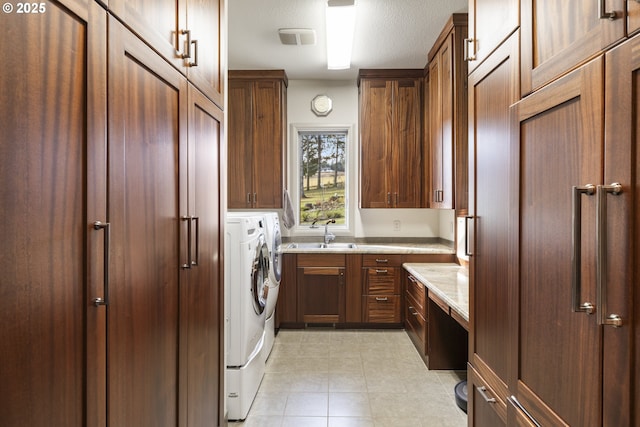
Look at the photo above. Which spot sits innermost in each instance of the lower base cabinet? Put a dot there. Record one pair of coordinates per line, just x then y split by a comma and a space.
321, 288
484, 407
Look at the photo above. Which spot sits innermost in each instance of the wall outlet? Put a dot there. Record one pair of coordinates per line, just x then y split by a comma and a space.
396, 225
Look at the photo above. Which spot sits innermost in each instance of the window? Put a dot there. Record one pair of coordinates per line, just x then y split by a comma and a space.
323, 175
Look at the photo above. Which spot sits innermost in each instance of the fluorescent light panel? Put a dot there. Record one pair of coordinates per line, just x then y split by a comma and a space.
340, 27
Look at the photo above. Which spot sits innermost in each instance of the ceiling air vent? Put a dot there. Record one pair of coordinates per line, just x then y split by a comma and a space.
297, 36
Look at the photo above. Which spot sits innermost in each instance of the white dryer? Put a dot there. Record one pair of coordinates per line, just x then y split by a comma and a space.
246, 286
274, 243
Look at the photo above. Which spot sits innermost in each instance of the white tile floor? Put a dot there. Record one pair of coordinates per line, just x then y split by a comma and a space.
342, 378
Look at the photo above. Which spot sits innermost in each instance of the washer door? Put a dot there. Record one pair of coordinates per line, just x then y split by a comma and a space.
260, 277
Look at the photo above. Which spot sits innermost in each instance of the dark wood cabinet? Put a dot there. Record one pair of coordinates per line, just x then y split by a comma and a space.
52, 188
485, 407
573, 341
381, 299
415, 316
493, 88
559, 36
257, 137
186, 33
490, 23
390, 138
321, 288
110, 170
448, 117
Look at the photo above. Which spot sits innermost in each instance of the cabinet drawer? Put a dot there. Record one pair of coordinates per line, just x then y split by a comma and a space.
416, 326
381, 281
382, 309
381, 260
417, 292
487, 407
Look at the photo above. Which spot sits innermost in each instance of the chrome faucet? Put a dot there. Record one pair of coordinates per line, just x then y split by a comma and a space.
327, 235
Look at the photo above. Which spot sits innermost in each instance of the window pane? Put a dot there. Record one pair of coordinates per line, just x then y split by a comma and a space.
323, 178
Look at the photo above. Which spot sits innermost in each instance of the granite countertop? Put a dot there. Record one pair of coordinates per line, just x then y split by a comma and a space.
449, 281
368, 247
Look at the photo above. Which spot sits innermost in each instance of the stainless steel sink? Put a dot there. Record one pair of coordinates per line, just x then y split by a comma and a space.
314, 245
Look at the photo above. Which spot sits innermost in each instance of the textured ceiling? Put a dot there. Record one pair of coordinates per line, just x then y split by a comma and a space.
389, 34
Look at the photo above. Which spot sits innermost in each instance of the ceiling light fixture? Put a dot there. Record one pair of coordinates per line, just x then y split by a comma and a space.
341, 18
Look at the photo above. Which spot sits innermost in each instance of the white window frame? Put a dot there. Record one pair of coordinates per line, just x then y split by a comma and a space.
351, 179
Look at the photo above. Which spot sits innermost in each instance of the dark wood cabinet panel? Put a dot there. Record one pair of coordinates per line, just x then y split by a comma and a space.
493, 88
390, 138
490, 23
481, 409
287, 307
448, 117
148, 172
202, 297
52, 144
257, 133
185, 32
559, 36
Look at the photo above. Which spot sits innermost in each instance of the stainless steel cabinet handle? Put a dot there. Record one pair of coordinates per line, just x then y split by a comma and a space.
601, 260
249, 199
195, 261
396, 198
465, 48
467, 243
603, 14
518, 405
483, 392
187, 264
576, 241
381, 260
388, 198
381, 271
382, 299
194, 63
187, 54
411, 278
107, 243
412, 311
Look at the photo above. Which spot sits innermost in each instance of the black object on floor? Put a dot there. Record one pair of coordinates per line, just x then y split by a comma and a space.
461, 395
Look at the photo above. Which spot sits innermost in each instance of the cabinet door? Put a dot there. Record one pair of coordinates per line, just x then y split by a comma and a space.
240, 145
53, 179
441, 77
493, 88
375, 143
206, 72
633, 13
159, 23
268, 104
490, 23
620, 262
558, 350
321, 294
407, 152
484, 406
558, 36
202, 296
147, 193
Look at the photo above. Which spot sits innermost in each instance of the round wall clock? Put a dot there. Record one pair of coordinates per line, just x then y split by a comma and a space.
321, 105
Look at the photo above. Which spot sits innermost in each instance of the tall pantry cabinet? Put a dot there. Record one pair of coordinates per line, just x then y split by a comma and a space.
112, 232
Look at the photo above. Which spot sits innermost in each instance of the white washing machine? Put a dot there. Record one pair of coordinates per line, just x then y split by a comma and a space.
274, 243
246, 287
273, 238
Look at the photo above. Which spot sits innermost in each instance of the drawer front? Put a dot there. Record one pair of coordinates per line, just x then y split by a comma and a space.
321, 260
417, 292
486, 412
416, 326
382, 309
381, 281
381, 260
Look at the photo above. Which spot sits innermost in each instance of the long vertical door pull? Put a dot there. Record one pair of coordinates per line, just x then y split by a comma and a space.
576, 241
107, 242
601, 262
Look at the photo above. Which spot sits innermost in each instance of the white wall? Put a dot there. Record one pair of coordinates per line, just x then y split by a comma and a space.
367, 222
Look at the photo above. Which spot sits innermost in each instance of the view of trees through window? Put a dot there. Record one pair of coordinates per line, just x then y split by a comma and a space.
322, 176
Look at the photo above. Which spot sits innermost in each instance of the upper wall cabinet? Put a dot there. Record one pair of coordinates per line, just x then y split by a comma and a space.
448, 117
558, 36
390, 142
257, 136
186, 33
490, 23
